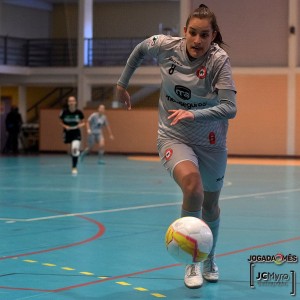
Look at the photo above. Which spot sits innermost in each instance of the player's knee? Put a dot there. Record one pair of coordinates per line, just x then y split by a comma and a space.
192, 188
75, 148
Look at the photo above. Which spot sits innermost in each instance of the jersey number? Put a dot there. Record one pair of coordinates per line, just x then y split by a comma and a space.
171, 70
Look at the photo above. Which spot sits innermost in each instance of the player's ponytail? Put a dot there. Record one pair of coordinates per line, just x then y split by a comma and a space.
203, 12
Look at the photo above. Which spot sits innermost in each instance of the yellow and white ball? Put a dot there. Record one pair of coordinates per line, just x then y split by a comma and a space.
189, 240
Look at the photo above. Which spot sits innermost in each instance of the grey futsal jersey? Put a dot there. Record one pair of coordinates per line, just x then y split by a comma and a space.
97, 122
189, 85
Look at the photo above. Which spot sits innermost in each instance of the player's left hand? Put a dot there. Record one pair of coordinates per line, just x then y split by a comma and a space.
123, 96
179, 114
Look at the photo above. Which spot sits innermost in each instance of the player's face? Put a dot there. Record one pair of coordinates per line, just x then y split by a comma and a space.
199, 36
101, 109
72, 103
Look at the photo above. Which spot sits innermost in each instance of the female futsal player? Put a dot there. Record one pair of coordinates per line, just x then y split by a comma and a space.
72, 119
94, 125
196, 100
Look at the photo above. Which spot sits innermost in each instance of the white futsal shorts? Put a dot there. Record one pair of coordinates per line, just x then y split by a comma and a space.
211, 164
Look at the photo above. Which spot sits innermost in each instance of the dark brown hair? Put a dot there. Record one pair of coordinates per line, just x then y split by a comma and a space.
203, 12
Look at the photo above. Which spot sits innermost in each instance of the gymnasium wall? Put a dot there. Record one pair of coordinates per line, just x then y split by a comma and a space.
24, 22
297, 115
134, 131
257, 34
260, 127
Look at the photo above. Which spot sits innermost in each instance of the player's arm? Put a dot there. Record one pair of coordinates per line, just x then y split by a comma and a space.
61, 118
65, 126
223, 83
111, 136
225, 110
80, 124
88, 124
147, 47
88, 127
133, 62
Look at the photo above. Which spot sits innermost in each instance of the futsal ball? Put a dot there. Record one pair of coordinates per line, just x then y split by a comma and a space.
189, 240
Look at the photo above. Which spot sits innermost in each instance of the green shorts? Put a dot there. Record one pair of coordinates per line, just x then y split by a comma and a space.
211, 163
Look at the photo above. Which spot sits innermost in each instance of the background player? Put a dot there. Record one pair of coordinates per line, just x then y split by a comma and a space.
196, 100
96, 122
72, 119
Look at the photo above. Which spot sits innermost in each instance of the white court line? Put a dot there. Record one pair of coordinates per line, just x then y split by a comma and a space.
82, 190
10, 220
92, 191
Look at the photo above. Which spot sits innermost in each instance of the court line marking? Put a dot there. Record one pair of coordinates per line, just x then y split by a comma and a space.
122, 283
173, 265
12, 220
98, 234
130, 275
82, 190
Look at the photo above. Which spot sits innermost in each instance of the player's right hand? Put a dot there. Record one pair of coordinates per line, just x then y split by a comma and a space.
123, 96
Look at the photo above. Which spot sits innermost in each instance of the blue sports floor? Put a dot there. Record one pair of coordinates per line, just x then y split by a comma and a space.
100, 234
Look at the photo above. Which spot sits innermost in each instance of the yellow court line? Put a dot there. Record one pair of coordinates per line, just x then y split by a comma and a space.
141, 289
236, 161
30, 261
158, 295
144, 158
87, 273
67, 269
264, 161
49, 265
123, 283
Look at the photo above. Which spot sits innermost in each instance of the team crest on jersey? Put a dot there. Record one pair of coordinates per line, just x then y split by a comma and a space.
168, 153
201, 72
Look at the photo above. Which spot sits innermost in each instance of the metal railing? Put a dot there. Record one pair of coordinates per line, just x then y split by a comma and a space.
13, 51
54, 52
112, 52
63, 52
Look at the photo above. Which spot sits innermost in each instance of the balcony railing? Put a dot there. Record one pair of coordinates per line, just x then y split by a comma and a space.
63, 52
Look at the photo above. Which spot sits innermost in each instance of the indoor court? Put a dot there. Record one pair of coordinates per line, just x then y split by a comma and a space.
100, 234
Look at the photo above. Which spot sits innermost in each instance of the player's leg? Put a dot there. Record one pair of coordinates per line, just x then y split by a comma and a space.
101, 145
211, 215
187, 176
90, 144
75, 152
181, 161
212, 167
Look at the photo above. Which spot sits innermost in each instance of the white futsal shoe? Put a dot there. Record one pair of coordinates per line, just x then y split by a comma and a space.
210, 270
193, 278
74, 171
